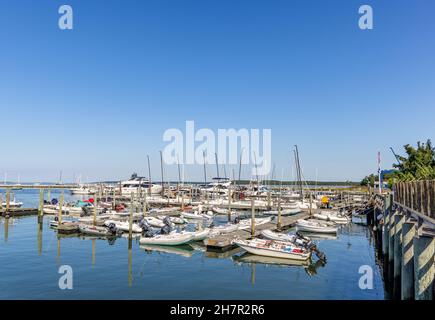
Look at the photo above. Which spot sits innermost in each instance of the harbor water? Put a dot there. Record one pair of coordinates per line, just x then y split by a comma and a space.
32, 253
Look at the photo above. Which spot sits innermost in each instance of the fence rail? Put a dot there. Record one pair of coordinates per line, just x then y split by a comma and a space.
419, 196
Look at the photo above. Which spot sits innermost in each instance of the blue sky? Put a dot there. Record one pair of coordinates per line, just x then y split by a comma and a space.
97, 99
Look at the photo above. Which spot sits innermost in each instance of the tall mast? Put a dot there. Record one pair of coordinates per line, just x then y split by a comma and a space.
217, 165
205, 170
299, 172
149, 173
161, 168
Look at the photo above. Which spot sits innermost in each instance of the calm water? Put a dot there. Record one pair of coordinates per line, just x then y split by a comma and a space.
31, 254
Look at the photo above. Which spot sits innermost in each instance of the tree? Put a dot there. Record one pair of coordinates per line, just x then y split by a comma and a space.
369, 180
419, 163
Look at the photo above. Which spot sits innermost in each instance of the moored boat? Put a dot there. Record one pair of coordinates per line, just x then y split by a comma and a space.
317, 226
172, 239
272, 248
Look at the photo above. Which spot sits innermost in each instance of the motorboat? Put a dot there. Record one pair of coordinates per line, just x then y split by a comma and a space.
317, 226
275, 249
199, 235
124, 226
172, 239
285, 212
175, 220
333, 216
136, 183
154, 222
97, 231
246, 223
223, 229
13, 204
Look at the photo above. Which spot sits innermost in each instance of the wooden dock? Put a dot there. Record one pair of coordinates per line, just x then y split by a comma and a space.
223, 243
18, 212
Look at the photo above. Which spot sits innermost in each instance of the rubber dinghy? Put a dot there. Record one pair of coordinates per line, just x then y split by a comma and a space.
246, 223
154, 222
172, 239
97, 231
175, 220
224, 229
332, 216
292, 238
316, 226
198, 235
285, 212
123, 226
275, 249
195, 216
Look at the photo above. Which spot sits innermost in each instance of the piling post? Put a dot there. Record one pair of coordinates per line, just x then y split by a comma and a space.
95, 210
391, 231
130, 221
252, 217
407, 284
48, 195
398, 221
424, 268
385, 234
8, 199
269, 206
1, 202
229, 204
59, 217
41, 202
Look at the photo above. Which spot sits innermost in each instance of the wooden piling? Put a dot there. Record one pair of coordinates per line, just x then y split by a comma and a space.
279, 223
407, 282
130, 222
95, 210
41, 202
398, 221
8, 199
59, 217
424, 268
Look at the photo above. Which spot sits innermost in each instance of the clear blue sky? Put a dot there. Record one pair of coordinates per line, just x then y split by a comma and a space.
95, 100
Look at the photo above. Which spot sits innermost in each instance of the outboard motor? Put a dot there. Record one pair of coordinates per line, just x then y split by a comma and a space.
166, 229
147, 232
236, 220
112, 228
167, 221
86, 211
53, 201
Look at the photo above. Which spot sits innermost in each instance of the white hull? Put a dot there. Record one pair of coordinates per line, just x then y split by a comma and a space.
310, 226
269, 252
167, 240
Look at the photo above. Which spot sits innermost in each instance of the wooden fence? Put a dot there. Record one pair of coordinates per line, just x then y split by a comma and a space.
417, 195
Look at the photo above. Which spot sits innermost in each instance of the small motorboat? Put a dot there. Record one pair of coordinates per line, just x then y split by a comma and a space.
275, 249
195, 216
199, 235
172, 239
292, 238
124, 226
154, 222
175, 220
223, 229
332, 216
246, 223
13, 204
285, 212
318, 226
98, 231
182, 250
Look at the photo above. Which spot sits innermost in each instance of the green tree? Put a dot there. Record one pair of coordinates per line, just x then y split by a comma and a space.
418, 164
369, 180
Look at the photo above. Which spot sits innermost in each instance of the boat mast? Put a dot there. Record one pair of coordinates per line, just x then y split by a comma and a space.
149, 173
161, 168
217, 165
240, 165
205, 170
299, 173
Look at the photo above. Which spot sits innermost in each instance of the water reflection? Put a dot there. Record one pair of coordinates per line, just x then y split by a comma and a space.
39, 236
183, 250
6, 225
130, 259
310, 267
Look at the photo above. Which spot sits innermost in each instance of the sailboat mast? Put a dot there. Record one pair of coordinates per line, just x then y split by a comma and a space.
217, 165
205, 169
